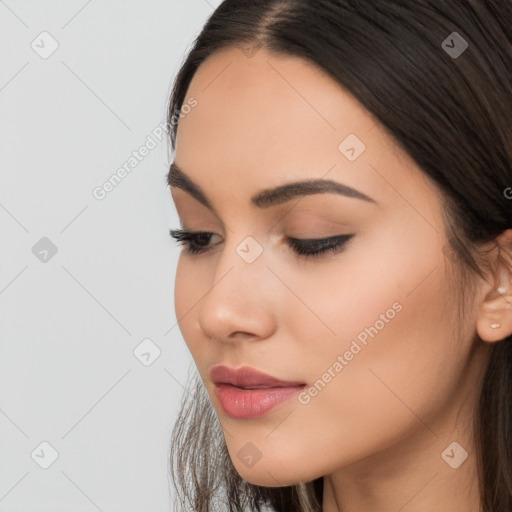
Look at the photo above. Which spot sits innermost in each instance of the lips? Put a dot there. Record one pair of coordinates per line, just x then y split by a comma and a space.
248, 378
246, 393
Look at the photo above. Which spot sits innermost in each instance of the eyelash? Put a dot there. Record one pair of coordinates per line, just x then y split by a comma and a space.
303, 248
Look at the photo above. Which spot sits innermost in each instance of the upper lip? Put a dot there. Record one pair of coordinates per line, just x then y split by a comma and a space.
245, 377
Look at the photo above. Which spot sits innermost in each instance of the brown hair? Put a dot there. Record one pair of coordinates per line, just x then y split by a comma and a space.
453, 116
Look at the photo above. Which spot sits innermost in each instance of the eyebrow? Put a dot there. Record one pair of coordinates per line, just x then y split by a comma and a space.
268, 197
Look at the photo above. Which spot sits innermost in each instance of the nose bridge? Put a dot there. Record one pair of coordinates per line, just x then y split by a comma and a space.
238, 299
243, 255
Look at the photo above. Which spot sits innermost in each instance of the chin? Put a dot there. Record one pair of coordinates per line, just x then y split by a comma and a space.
265, 476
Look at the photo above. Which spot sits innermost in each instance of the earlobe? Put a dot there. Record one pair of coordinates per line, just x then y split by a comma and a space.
494, 321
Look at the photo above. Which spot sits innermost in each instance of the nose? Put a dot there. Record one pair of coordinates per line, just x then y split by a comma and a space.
240, 302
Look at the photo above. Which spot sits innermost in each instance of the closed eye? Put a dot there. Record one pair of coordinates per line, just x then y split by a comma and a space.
197, 243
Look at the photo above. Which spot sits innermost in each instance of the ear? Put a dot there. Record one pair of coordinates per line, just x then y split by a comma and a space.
494, 321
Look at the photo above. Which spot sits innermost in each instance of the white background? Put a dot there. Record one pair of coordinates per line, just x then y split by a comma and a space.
69, 325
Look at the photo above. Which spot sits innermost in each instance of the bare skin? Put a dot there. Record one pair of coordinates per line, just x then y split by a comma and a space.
381, 430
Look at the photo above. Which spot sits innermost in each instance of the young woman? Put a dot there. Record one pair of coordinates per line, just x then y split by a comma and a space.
343, 179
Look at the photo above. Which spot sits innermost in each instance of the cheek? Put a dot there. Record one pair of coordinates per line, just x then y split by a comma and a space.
187, 291
395, 383
393, 322
391, 278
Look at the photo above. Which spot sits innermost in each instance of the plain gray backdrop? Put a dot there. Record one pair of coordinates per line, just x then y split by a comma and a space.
91, 358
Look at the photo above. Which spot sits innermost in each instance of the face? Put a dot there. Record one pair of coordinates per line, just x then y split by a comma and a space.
364, 331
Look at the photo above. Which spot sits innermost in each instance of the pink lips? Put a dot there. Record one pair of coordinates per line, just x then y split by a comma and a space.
248, 393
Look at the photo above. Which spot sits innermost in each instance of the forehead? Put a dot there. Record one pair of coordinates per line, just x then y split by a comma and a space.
283, 103
271, 117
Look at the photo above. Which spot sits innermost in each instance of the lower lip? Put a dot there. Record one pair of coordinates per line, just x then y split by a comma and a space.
252, 403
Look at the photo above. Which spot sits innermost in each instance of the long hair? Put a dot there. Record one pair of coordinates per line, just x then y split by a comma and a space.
452, 114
